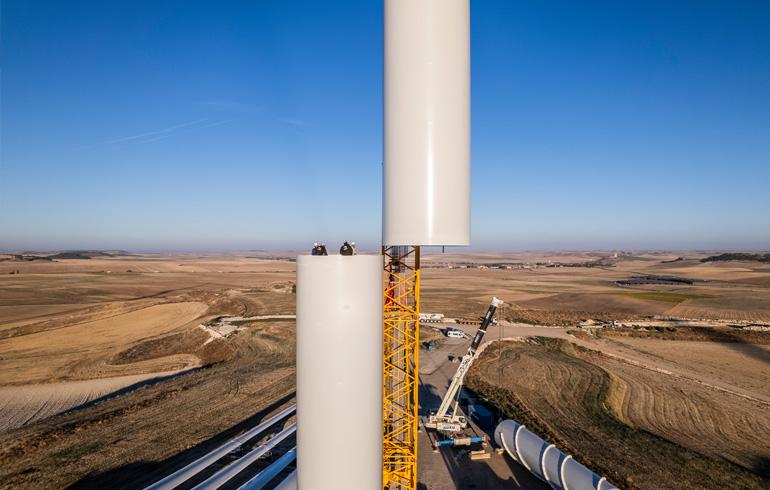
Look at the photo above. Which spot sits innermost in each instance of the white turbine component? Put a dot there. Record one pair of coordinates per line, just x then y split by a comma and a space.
545, 461
290, 483
339, 372
427, 123
180, 476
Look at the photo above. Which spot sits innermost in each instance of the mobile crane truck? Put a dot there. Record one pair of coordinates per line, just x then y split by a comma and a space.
449, 425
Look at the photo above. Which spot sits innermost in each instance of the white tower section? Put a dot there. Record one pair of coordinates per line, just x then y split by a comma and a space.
339, 372
427, 120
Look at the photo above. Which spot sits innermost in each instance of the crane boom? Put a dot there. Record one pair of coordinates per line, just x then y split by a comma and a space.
440, 420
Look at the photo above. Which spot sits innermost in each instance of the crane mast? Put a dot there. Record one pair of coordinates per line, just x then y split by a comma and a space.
454, 423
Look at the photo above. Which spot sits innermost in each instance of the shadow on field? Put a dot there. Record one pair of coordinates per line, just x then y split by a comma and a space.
144, 473
128, 389
735, 340
762, 468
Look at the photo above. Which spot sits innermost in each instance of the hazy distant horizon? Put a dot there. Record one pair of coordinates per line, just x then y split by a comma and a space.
433, 250
180, 126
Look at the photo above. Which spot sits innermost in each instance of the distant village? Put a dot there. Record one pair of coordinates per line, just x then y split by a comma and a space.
503, 265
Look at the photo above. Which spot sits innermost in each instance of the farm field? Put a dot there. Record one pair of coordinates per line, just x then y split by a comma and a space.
82, 351
637, 427
74, 333
21, 405
558, 292
741, 366
716, 424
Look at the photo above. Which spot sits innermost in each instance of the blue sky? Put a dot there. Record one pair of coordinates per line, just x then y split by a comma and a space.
184, 125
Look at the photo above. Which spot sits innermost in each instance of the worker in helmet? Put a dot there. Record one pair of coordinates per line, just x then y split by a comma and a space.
346, 249
316, 250
353, 246
323, 250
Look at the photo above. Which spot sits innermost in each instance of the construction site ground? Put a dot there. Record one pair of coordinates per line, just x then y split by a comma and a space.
447, 468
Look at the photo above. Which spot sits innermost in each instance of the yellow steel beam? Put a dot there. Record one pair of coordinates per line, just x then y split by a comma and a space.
400, 366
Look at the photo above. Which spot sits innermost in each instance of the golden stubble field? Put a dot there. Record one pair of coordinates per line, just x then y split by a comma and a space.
74, 331
639, 427
721, 291
65, 320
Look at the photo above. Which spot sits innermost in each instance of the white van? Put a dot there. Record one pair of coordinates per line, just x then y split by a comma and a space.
455, 333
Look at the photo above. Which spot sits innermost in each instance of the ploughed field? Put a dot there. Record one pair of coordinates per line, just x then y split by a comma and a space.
733, 360
639, 427
133, 440
140, 360
561, 288
133, 347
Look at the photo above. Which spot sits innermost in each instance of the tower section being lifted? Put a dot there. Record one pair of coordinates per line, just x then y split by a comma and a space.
426, 192
427, 123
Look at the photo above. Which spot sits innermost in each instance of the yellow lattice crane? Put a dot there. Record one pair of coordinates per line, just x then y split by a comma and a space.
400, 365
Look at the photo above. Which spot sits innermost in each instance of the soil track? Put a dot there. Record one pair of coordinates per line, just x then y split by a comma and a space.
714, 423
576, 400
740, 365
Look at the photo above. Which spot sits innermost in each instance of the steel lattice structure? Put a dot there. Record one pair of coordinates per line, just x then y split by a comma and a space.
400, 366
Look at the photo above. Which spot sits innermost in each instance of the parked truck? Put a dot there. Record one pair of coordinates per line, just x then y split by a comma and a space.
432, 317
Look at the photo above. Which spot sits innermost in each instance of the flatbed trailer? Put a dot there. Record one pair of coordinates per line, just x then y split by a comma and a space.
463, 321
460, 441
468, 322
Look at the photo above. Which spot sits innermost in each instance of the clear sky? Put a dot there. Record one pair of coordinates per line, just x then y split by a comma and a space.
220, 125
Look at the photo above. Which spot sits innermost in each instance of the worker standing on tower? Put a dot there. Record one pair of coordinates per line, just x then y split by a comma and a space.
346, 249
322, 251
353, 246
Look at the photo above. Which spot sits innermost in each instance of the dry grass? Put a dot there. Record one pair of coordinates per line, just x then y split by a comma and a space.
81, 351
72, 320
141, 436
667, 297
570, 397
616, 393
692, 334
735, 366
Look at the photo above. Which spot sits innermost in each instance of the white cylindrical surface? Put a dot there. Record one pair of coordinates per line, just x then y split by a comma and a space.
339, 372
550, 465
427, 123
289, 483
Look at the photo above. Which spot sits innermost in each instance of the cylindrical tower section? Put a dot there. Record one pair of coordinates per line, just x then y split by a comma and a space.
339, 372
545, 461
427, 123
